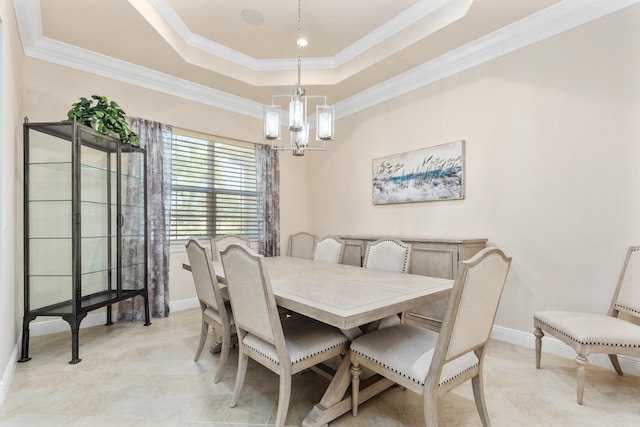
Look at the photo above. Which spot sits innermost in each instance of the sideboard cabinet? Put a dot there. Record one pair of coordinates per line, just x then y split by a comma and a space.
84, 225
429, 257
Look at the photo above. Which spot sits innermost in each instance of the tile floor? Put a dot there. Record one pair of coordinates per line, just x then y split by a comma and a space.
131, 375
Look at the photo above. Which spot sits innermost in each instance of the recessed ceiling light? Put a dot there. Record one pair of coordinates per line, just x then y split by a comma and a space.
252, 17
302, 42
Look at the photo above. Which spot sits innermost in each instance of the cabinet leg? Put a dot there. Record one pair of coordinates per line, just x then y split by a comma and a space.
109, 319
74, 323
147, 321
24, 357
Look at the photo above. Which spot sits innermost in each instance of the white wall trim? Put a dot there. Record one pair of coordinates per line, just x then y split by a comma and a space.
185, 304
563, 16
7, 375
396, 25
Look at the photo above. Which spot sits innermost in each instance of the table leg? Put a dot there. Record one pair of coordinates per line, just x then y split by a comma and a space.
336, 402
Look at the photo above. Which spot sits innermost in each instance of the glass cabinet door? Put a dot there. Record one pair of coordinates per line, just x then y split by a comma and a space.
96, 204
48, 238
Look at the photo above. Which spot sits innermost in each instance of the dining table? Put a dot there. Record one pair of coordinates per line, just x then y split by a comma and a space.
351, 298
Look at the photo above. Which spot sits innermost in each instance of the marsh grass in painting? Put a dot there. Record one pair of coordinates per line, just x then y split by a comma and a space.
434, 173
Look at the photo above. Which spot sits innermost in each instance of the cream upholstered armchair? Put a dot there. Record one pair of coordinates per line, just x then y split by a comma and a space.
432, 364
286, 345
301, 245
219, 244
329, 249
390, 255
598, 333
215, 311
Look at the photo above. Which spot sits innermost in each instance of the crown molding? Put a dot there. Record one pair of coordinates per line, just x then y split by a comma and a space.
419, 11
549, 22
561, 17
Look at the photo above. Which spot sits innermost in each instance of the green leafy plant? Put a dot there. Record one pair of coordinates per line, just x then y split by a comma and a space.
104, 116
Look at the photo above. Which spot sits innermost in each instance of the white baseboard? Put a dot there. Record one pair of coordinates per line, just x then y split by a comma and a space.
629, 365
7, 375
185, 304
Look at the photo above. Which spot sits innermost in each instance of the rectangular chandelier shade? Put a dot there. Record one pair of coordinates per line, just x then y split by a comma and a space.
272, 122
324, 127
301, 138
296, 114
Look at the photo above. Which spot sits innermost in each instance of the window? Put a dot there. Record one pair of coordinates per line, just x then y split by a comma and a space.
213, 187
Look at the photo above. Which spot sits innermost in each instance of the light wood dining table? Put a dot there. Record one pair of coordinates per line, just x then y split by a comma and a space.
348, 298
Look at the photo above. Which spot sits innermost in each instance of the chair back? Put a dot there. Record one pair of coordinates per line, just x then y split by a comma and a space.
252, 301
627, 295
388, 254
219, 244
204, 276
329, 249
473, 304
301, 245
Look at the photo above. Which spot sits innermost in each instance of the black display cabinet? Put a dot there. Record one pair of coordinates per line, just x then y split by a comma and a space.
84, 225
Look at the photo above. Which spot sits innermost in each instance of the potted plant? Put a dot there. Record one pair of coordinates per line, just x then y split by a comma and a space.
104, 116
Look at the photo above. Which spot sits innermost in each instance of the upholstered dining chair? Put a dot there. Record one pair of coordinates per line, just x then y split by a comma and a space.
387, 254
286, 345
598, 333
431, 363
390, 255
215, 311
219, 244
329, 249
301, 245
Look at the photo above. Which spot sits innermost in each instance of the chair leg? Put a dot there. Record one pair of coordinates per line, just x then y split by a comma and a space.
356, 370
204, 330
430, 403
243, 361
284, 396
224, 354
616, 365
478, 394
582, 361
539, 334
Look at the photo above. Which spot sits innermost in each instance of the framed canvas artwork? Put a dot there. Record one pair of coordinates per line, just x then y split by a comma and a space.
428, 174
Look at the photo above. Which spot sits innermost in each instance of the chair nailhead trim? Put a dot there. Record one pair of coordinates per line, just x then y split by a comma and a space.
587, 343
629, 309
296, 361
412, 379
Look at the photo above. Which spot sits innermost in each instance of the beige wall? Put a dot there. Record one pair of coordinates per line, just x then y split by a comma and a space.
552, 147
11, 134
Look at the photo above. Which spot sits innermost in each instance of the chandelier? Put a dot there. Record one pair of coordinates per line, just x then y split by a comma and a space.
298, 118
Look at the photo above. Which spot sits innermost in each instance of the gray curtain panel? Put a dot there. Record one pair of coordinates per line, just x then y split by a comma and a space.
268, 171
156, 139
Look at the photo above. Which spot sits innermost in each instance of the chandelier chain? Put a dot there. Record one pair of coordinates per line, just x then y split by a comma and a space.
298, 41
